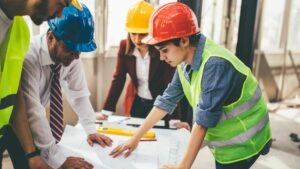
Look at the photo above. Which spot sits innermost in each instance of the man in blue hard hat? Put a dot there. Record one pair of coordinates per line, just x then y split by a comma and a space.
52, 63
15, 135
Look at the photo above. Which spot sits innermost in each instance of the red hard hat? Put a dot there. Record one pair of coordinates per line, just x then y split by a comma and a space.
170, 21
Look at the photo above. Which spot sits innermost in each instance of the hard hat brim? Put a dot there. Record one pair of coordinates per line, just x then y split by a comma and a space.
150, 40
137, 30
81, 47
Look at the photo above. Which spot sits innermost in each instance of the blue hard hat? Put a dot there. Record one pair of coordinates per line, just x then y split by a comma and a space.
75, 28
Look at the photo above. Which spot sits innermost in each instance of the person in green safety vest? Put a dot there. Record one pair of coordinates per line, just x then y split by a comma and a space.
230, 112
14, 41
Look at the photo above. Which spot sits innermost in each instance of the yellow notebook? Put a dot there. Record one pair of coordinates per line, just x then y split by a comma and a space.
118, 131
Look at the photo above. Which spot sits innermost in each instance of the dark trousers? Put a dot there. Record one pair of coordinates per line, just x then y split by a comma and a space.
10, 142
141, 107
247, 163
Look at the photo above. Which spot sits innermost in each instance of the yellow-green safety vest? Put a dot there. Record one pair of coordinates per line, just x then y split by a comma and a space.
12, 53
244, 128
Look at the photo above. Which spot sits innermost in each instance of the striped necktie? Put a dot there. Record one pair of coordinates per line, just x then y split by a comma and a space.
56, 107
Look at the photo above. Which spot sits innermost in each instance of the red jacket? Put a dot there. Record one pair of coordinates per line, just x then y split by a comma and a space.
160, 74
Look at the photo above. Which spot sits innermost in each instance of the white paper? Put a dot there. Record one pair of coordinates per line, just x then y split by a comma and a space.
145, 156
172, 145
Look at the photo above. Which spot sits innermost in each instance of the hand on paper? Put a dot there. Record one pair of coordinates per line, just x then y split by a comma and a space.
76, 162
180, 125
129, 146
100, 139
100, 116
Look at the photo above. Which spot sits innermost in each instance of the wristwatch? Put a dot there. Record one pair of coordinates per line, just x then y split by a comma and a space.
36, 152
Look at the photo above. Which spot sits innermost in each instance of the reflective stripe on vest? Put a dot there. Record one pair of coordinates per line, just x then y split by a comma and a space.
9, 100
242, 137
243, 107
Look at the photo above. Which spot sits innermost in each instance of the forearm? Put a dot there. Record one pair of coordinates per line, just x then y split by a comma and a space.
195, 142
114, 92
154, 116
86, 114
19, 122
54, 154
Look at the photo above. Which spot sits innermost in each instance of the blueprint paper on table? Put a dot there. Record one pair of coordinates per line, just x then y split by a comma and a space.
172, 145
144, 157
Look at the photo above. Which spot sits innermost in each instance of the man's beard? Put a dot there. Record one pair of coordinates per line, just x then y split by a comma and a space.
53, 54
40, 13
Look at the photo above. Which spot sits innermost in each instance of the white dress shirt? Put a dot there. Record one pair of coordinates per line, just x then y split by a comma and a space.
36, 83
5, 23
142, 73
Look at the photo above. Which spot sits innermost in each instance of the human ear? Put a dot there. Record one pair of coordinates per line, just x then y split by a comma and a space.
50, 37
185, 41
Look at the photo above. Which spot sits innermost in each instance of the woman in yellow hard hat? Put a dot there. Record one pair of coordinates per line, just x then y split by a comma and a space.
149, 76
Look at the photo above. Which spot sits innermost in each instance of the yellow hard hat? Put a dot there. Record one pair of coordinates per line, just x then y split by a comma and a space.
76, 4
138, 17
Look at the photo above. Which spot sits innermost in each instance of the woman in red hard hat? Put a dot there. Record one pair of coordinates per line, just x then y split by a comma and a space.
149, 76
230, 112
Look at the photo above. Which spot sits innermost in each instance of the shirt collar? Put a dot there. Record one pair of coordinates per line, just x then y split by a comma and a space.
4, 18
45, 56
198, 53
136, 53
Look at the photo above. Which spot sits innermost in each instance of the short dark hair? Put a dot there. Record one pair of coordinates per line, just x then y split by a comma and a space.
194, 39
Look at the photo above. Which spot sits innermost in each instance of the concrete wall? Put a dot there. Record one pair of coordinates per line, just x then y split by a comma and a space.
290, 82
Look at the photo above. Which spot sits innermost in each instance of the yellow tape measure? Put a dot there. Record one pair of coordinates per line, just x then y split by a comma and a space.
118, 131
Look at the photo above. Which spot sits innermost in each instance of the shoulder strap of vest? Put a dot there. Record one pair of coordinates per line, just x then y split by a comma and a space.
13, 52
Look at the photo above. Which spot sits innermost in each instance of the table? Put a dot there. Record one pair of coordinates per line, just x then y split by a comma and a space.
168, 149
